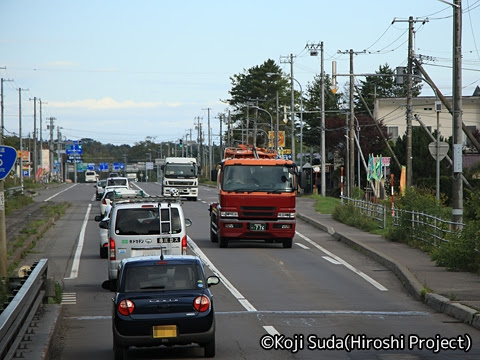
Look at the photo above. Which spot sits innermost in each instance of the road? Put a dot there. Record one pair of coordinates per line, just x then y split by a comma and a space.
305, 301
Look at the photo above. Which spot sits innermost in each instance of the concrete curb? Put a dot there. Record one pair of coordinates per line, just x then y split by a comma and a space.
414, 287
43, 333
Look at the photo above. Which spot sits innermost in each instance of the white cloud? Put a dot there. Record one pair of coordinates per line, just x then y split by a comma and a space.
108, 103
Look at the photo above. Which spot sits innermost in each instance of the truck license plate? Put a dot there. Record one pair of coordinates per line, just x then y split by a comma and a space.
258, 227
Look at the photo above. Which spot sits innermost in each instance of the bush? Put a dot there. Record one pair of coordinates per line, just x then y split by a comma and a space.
460, 252
350, 215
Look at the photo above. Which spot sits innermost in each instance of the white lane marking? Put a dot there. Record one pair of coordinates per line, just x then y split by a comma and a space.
271, 330
343, 262
78, 252
333, 261
69, 298
302, 246
241, 299
51, 197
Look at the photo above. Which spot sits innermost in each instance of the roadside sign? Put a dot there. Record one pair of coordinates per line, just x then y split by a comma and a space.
8, 156
443, 148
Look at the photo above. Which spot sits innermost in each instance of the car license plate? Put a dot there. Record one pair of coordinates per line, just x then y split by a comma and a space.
258, 227
164, 331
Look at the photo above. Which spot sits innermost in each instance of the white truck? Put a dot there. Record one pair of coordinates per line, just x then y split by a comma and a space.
180, 173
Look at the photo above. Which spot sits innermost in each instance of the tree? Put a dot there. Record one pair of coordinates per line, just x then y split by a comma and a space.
257, 86
382, 87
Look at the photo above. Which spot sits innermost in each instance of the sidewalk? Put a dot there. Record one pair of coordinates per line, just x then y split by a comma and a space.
454, 293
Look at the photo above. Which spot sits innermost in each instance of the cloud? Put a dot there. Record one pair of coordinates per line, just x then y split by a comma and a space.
108, 103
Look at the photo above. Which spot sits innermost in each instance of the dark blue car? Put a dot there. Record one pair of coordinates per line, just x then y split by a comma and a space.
162, 301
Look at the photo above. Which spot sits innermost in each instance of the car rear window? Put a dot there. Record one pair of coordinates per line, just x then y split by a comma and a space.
146, 221
116, 182
162, 277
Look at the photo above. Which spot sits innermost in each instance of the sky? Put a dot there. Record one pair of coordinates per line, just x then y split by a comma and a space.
121, 72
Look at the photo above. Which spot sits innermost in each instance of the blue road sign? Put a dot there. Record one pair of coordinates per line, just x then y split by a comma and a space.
8, 156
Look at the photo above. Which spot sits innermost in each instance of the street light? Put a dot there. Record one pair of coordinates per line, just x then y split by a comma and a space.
293, 114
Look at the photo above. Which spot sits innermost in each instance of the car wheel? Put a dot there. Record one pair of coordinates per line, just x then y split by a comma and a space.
223, 242
103, 252
287, 243
120, 352
209, 349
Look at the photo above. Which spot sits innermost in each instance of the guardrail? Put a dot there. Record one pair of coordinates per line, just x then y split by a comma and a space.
17, 316
13, 189
424, 227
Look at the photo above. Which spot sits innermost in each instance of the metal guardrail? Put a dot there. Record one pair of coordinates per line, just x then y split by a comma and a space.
424, 227
13, 189
17, 316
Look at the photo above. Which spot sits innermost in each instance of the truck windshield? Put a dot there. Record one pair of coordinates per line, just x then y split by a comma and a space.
180, 170
243, 178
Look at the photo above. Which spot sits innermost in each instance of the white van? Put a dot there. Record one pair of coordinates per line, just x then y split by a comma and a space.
142, 227
91, 176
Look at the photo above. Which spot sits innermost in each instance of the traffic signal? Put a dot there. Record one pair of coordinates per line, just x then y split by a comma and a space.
181, 143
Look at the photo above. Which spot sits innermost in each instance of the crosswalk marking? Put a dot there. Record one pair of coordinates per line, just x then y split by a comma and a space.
69, 298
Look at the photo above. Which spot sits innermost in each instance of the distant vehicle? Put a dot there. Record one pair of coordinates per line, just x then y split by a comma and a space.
91, 176
180, 173
145, 226
162, 300
113, 174
100, 189
118, 181
112, 192
132, 177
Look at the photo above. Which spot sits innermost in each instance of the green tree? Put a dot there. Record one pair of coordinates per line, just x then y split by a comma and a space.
257, 85
382, 86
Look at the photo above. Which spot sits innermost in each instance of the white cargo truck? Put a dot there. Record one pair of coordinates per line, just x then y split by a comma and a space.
180, 173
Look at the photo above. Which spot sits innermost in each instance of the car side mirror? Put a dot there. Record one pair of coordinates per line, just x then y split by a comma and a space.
213, 280
188, 222
109, 285
103, 224
98, 218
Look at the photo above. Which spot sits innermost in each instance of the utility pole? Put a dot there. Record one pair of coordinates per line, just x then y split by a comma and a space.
409, 111
292, 104
3, 233
209, 144
2, 80
20, 133
40, 136
35, 155
314, 52
50, 153
457, 184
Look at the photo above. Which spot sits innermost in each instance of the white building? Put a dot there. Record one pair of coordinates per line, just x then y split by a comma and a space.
393, 113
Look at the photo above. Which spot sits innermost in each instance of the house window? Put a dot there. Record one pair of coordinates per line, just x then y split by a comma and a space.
393, 131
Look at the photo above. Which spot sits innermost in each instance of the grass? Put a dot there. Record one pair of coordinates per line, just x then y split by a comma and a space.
324, 205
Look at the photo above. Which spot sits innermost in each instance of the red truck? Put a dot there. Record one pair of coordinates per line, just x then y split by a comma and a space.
256, 198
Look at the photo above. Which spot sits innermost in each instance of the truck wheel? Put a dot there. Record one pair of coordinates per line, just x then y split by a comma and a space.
287, 243
223, 242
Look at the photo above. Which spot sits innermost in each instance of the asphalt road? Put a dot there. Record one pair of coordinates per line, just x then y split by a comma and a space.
305, 301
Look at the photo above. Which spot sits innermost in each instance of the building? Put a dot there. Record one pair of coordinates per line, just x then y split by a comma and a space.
393, 113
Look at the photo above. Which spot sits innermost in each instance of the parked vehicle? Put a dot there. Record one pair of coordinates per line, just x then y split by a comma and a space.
180, 173
91, 176
256, 198
146, 226
162, 300
100, 189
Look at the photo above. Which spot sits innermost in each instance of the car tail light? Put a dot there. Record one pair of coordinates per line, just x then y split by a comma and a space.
126, 307
184, 245
104, 201
113, 255
201, 303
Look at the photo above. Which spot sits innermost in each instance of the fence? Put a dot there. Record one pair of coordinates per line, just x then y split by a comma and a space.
15, 319
422, 227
